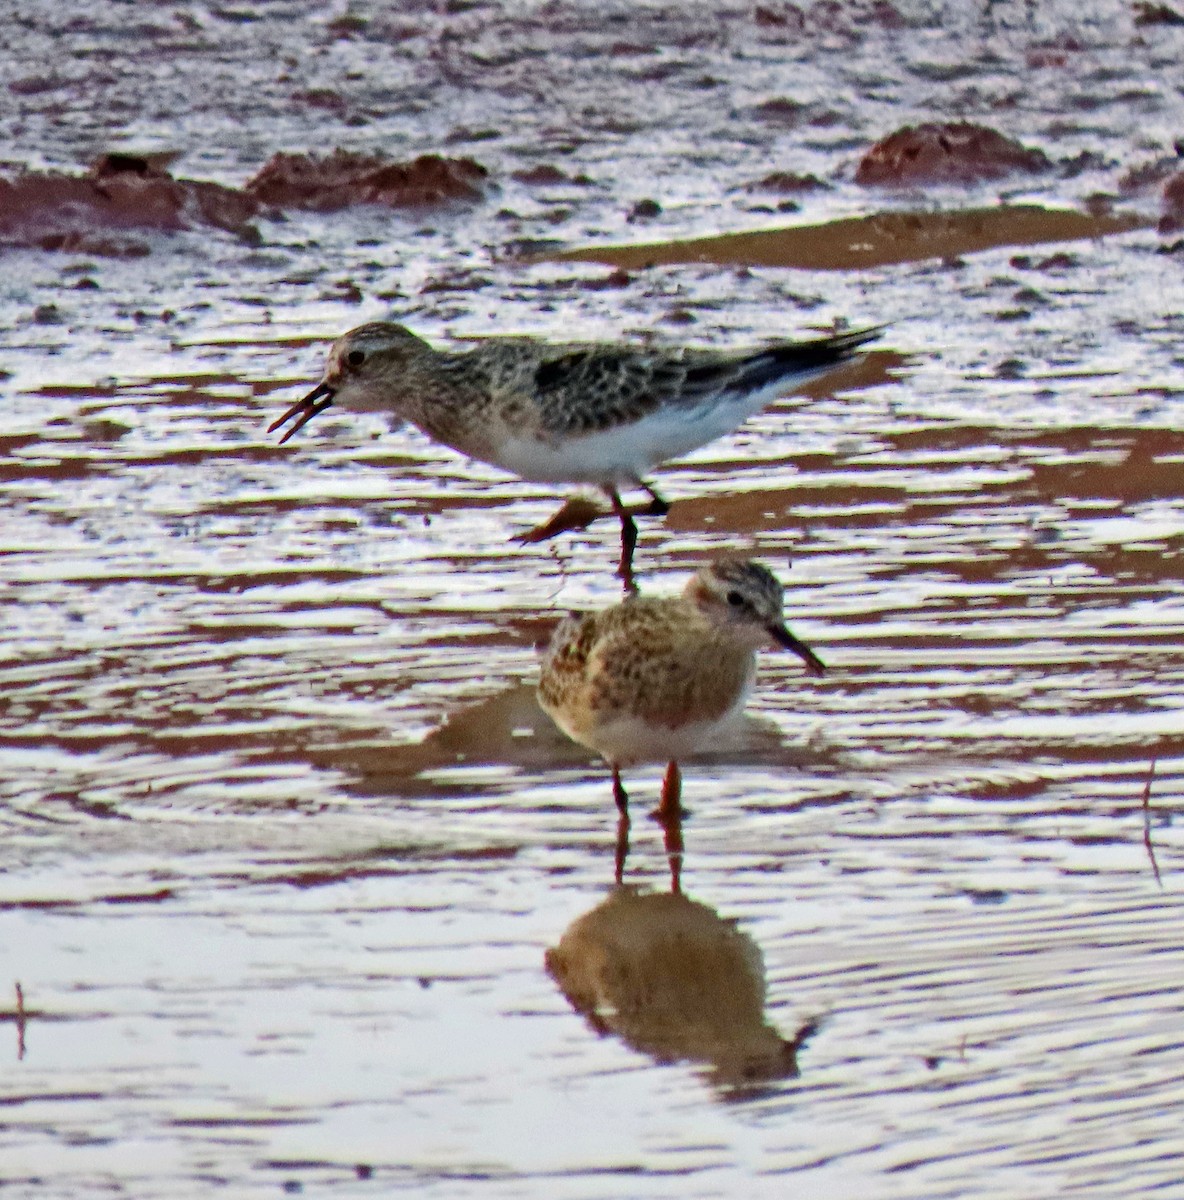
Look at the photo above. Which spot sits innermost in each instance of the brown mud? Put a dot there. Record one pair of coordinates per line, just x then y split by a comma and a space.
341, 179
873, 241
953, 152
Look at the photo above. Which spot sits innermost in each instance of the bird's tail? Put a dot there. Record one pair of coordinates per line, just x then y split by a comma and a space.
821, 352
810, 358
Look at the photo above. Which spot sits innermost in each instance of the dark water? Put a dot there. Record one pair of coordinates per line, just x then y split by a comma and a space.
286, 842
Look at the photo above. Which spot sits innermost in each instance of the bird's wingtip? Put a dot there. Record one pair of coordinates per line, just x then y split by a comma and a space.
852, 338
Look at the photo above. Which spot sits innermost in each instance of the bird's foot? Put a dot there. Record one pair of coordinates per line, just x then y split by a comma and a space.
580, 511
577, 513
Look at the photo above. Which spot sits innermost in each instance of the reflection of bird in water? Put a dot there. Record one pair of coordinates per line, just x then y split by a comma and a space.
655, 679
677, 982
603, 414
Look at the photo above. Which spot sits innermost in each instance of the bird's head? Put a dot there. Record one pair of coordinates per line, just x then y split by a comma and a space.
363, 367
746, 598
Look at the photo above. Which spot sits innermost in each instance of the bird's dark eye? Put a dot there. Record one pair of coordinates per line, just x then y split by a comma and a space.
356, 358
735, 599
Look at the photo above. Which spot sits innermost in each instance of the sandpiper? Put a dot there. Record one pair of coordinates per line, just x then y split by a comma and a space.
578, 413
652, 680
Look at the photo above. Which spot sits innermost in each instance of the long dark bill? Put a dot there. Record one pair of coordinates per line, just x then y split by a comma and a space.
784, 638
307, 408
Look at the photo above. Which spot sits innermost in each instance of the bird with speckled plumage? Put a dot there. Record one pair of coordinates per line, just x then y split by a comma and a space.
655, 679
604, 414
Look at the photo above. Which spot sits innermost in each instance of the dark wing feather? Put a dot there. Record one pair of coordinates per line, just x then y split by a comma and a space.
601, 387
598, 387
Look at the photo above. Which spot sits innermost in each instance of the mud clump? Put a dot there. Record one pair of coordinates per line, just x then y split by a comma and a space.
343, 179
951, 153
1144, 176
781, 111
546, 175
1055, 52
1172, 216
1156, 14
644, 210
126, 193
121, 193
786, 183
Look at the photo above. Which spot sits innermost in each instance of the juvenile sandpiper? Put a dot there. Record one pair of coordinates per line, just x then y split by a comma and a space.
653, 680
603, 414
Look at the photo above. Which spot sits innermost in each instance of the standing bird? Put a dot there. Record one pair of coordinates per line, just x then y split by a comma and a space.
654, 679
603, 414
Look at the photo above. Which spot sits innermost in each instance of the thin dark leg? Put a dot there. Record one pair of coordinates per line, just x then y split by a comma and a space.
622, 799
622, 849
659, 505
619, 794
628, 539
579, 512
670, 815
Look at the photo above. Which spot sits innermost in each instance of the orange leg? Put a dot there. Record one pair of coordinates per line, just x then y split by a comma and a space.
670, 804
669, 814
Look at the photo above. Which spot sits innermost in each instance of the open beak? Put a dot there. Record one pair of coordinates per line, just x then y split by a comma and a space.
783, 637
315, 402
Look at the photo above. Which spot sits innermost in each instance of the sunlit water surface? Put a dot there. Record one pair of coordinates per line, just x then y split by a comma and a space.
302, 890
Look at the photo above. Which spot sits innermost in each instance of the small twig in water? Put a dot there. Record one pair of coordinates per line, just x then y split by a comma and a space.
1147, 823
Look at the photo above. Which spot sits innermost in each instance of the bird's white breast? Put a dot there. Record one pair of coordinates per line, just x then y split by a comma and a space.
625, 453
625, 739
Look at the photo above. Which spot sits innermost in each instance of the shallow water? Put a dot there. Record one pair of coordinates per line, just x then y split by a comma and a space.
287, 842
